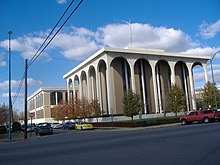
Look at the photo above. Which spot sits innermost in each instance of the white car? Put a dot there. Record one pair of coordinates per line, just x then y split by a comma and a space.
56, 125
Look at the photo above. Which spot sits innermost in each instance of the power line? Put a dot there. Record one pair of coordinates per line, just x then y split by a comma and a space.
51, 31
36, 54
18, 90
34, 59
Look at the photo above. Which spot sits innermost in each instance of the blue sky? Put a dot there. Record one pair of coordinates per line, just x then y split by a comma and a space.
189, 26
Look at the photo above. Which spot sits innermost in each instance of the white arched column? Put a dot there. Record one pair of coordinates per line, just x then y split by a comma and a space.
80, 87
73, 87
126, 75
185, 87
192, 88
131, 64
88, 94
109, 88
172, 68
205, 72
143, 87
98, 87
153, 65
68, 89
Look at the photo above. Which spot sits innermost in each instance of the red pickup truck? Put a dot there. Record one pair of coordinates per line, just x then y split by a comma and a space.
205, 116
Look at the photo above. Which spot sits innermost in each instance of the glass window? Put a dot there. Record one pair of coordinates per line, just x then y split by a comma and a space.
52, 98
59, 97
191, 114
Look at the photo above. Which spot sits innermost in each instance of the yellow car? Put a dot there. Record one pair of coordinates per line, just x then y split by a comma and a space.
83, 126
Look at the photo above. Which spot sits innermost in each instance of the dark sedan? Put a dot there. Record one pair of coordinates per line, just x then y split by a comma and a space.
69, 125
44, 129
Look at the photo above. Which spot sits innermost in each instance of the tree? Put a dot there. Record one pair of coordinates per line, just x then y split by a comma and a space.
95, 107
61, 112
208, 95
132, 104
3, 115
85, 108
175, 99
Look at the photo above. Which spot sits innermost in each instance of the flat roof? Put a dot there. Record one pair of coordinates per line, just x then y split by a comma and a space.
46, 89
135, 51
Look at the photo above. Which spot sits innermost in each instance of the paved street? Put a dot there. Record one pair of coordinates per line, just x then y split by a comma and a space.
178, 145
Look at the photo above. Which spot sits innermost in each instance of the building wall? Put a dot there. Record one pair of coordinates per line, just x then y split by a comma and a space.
153, 82
40, 103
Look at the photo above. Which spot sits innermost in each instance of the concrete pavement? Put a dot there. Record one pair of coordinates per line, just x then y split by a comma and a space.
18, 136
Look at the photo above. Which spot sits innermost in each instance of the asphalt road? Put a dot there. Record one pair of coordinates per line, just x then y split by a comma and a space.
197, 144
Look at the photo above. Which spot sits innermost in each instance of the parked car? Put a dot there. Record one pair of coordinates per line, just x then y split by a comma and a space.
30, 128
83, 126
69, 125
44, 129
205, 116
56, 125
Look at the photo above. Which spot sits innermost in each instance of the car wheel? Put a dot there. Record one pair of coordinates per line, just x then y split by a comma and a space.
206, 120
183, 122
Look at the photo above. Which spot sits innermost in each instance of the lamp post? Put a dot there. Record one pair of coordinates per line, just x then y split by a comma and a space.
213, 80
9, 84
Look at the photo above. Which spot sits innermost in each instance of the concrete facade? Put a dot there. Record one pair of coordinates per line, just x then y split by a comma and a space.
108, 73
43, 100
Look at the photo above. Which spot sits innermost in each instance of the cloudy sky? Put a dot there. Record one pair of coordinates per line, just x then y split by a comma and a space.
189, 26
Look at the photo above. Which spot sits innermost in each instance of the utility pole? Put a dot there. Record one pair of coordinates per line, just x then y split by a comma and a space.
213, 81
25, 99
9, 85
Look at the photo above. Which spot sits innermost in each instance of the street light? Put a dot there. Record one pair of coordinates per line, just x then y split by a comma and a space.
213, 81
9, 84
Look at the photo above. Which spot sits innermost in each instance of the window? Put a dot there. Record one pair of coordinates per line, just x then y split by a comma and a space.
208, 112
59, 97
39, 114
52, 98
191, 113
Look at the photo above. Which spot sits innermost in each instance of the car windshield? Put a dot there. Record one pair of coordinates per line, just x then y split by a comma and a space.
44, 125
69, 122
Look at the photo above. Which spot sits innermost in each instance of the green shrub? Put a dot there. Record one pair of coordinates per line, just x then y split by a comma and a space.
16, 126
3, 129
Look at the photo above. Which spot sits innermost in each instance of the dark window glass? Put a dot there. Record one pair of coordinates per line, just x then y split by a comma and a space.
191, 114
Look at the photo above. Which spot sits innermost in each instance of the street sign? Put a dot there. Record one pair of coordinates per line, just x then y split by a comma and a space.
31, 114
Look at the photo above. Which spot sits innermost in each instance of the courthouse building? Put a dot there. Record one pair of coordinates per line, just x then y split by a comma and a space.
108, 73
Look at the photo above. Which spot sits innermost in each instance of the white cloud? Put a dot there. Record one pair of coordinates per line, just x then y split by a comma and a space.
78, 43
61, 1
26, 45
144, 35
2, 62
209, 30
205, 51
32, 82
15, 83
6, 95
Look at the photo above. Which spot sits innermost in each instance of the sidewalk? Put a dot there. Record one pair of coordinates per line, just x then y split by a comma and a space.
18, 136
138, 128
